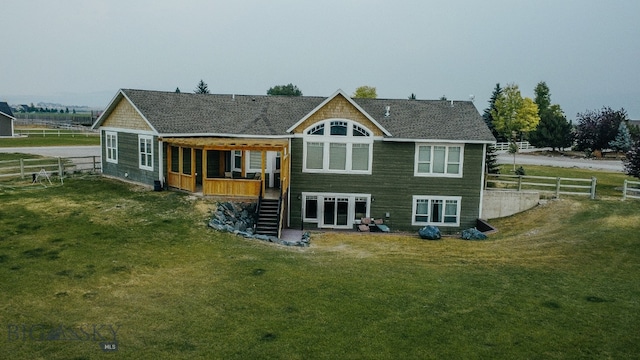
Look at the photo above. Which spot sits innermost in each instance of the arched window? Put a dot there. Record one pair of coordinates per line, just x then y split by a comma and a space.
345, 148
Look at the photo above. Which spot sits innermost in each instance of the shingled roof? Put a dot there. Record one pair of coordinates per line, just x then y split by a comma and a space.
171, 113
6, 109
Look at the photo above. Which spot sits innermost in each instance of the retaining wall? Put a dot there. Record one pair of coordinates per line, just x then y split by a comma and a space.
497, 204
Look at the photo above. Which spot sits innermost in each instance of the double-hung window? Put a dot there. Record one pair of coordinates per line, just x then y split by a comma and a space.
338, 146
438, 160
145, 147
436, 210
111, 146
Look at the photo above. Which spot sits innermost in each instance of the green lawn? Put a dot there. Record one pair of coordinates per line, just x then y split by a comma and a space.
559, 281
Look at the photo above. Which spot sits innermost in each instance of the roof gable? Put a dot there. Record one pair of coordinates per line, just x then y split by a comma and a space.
5, 109
122, 113
339, 106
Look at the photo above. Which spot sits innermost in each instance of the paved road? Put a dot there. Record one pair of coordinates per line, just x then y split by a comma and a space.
561, 161
55, 151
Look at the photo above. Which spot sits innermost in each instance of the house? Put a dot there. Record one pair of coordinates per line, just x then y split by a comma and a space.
6, 120
327, 161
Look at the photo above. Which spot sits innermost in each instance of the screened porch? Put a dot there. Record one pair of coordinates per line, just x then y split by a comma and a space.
228, 167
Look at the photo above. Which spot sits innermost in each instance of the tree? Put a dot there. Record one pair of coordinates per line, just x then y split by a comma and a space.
365, 92
443, 97
488, 118
554, 130
514, 116
622, 142
412, 96
596, 129
632, 161
286, 90
491, 161
177, 90
543, 96
634, 130
202, 88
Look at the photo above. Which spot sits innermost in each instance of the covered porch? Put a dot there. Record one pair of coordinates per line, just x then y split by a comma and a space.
227, 166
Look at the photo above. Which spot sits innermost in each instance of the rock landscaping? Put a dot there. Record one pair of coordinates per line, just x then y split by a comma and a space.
240, 219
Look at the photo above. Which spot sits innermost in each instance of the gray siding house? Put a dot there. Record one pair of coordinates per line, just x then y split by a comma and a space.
6, 120
329, 161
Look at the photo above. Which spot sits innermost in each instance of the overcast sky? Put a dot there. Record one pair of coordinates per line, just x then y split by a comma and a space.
80, 52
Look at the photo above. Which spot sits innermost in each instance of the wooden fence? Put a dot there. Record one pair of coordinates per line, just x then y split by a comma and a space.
24, 168
522, 145
556, 186
55, 132
631, 189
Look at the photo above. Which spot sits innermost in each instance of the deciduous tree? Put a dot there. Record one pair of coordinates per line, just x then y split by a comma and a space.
366, 92
595, 129
514, 116
286, 90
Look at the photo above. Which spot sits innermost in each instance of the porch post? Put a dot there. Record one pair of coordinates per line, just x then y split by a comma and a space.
160, 163
263, 166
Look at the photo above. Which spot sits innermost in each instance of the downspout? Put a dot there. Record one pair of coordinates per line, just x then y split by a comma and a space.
482, 179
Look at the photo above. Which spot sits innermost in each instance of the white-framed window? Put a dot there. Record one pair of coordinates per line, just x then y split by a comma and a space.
145, 150
436, 210
111, 146
438, 160
335, 210
237, 160
338, 146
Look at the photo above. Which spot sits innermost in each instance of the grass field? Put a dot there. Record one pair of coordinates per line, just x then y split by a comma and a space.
560, 281
68, 138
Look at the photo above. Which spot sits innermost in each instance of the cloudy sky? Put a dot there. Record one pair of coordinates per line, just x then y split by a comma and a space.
80, 52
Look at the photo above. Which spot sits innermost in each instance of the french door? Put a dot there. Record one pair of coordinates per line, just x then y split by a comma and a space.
335, 212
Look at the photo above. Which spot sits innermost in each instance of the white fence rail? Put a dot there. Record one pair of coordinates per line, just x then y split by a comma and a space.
522, 145
631, 189
22, 168
71, 131
544, 184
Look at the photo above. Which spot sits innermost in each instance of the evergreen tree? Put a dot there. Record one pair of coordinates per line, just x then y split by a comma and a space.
491, 160
488, 118
632, 161
202, 88
622, 142
554, 130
